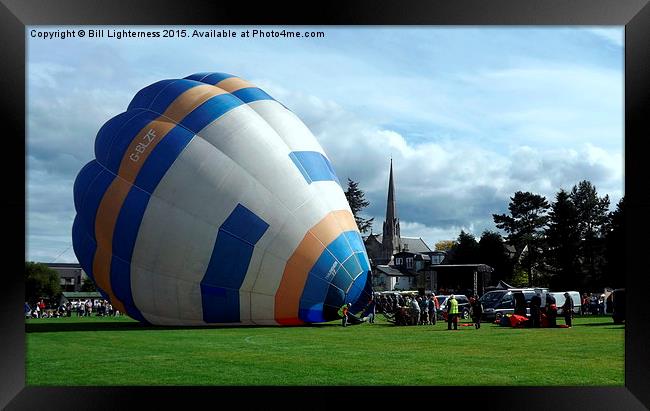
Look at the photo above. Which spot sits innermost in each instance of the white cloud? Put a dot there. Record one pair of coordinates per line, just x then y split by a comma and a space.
615, 36
48, 74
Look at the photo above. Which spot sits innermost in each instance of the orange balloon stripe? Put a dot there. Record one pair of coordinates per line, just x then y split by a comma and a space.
190, 100
296, 271
233, 84
134, 158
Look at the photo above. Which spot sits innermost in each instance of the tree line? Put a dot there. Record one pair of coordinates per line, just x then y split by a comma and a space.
43, 283
572, 243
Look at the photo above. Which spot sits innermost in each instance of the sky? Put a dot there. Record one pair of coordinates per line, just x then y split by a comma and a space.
469, 115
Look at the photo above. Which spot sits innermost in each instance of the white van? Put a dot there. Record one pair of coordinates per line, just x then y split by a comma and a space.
559, 301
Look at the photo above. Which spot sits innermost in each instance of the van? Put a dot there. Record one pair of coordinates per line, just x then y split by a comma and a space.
559, 301
498, 303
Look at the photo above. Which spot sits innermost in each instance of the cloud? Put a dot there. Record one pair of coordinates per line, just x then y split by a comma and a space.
445, 186
614, 36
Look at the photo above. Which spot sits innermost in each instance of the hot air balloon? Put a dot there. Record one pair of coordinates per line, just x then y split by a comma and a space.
209, 202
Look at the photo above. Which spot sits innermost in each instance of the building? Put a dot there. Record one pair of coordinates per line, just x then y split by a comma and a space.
382, 247
398, 263
71, 275
407, 263
387, 278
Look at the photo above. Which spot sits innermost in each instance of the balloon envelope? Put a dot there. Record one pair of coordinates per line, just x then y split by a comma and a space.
209, 202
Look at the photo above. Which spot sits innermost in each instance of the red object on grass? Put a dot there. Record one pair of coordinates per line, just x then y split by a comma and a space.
517, 320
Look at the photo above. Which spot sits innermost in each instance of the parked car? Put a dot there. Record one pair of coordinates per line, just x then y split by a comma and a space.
463, 306
498, 303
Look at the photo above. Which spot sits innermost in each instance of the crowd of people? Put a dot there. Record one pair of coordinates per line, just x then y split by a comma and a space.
81, 308
593, 304
424, 310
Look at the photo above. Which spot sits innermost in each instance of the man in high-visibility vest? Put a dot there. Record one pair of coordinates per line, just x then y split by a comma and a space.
452, 312
343, 313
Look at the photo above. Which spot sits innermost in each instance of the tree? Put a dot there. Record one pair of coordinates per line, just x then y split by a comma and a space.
525, 227
563, 241
592, 210
492, 251
88, 285
593, 218
445, 245
41, 282
465, 251
614, 275
356, 199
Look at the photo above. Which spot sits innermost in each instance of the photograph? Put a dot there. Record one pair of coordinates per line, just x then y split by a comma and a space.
462, 179
374, 208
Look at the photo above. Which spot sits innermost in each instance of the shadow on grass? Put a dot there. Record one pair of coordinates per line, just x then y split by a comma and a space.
50, 327
611, 323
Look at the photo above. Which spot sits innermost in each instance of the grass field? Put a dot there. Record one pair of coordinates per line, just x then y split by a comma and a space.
120, 351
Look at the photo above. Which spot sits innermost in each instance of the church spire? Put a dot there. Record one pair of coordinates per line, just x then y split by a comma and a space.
391, 210
391, 241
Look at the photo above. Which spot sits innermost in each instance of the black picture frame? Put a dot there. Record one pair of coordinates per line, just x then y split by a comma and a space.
633, 14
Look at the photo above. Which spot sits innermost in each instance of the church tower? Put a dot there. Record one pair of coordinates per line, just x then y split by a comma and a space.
391, 242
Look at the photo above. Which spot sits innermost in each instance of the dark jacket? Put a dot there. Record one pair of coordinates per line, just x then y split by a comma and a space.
477, 309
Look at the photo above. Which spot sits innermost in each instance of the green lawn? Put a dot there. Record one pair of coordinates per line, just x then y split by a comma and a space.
98, 351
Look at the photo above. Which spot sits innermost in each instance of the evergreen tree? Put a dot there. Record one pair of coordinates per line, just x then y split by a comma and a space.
465, 251
563, 241
492, 251
356, 199
525, 227
593, 219
614, 275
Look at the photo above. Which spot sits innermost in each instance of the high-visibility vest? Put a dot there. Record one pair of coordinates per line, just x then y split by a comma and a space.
453, 306
343, 310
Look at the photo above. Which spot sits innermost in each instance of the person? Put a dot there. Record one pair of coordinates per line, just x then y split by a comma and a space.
28, 310
433, 305
520, 303
567, 309
452, 312
551, 311
372, 310
477, 312
415, 311
424, 310
343, 313
601, 305
535, 313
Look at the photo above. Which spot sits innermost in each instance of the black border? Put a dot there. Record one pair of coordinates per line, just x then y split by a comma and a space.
634, 14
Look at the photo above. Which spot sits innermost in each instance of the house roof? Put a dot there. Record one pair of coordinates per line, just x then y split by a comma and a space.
388, 270
81, 294
479, 267
63, 265
410, 244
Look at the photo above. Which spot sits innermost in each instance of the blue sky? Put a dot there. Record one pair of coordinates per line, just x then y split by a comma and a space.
469, 114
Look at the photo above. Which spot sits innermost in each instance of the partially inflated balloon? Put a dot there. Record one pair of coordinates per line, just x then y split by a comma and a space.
209, 202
